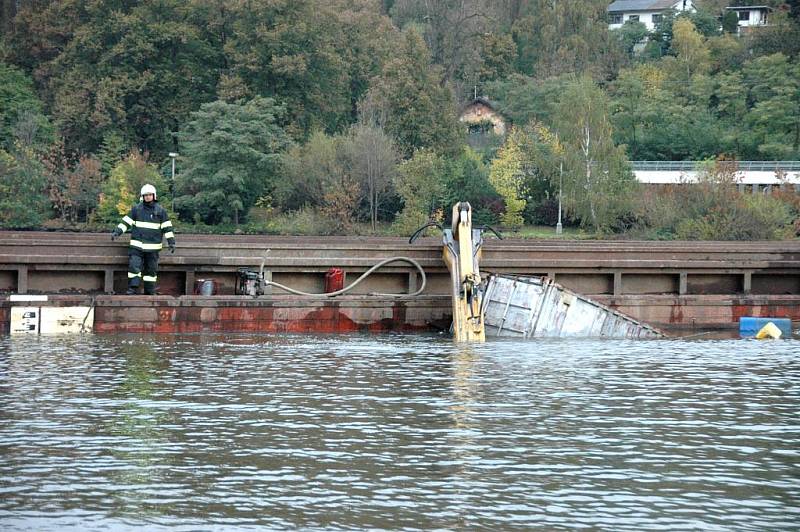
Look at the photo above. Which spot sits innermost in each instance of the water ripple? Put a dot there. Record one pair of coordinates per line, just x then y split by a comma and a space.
397, 432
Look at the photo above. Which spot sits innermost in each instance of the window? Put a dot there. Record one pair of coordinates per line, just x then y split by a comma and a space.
633, 18
744, 15
616, 19
657, 19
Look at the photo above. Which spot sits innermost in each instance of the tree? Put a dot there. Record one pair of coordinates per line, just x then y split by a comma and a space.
782, 35
72, 186
311, 170
497, 57
232, 153
731, 95
315, 56
524, 99
121, 191
468, 180
730, 22
690, 47
554, 38
421, 182
454, 31
419, 112
20, 106
705, 22
22, 199
507, 177
597, 178
775, 115
630, 34
372, 160
133, 67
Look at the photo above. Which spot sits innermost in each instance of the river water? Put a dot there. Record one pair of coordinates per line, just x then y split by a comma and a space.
397, 432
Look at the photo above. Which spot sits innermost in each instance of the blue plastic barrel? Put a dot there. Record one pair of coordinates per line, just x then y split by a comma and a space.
749, 326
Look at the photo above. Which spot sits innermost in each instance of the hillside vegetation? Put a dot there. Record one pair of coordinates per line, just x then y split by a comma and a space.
341, 116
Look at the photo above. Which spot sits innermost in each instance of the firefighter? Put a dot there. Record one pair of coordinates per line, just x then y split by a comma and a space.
148, 223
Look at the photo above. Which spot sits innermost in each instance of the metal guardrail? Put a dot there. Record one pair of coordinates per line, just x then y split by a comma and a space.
741, 166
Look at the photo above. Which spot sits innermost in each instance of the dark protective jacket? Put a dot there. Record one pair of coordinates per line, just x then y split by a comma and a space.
148, 223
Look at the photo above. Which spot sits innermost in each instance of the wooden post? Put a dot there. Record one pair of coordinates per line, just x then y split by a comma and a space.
22, 280
108, 283
413, 282
683, 284
747, 282
188, 286
617, 283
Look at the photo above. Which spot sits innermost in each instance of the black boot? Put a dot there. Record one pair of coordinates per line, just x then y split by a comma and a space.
131, 292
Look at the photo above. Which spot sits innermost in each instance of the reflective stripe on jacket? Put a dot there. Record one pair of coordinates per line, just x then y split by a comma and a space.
148, 224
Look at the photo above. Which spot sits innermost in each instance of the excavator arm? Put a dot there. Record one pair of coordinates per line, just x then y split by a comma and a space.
462, 251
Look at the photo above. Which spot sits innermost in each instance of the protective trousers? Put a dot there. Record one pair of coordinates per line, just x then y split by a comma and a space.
142, 266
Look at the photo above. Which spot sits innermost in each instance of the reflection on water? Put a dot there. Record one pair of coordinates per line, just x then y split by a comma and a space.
390, 432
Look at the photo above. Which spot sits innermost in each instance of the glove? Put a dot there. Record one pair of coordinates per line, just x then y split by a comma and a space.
172, 248
115, 233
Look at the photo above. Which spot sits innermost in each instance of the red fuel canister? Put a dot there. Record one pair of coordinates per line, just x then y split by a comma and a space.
334, 280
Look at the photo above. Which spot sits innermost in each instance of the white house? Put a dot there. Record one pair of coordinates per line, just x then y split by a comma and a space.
648, 12
750, 16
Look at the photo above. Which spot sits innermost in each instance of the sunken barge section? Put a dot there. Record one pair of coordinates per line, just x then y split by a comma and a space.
670, 285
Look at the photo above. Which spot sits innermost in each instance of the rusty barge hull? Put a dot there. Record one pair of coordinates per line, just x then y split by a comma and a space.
192, 314
669, 285
232, 314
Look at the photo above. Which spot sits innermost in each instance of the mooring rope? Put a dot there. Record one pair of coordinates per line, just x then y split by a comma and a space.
361, 278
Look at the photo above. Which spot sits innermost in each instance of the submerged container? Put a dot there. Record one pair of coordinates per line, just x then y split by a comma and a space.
205, 287
750, 325
537, 307
334, 280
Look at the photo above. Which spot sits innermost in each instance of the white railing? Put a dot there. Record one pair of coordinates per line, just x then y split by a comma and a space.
741, 166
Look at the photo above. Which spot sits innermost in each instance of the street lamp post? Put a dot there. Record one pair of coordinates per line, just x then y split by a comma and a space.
172, 156
559, 228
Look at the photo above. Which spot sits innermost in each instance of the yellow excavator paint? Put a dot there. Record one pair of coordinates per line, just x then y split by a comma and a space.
462, 251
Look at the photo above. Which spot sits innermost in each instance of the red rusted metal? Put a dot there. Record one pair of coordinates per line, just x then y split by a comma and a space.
334, 280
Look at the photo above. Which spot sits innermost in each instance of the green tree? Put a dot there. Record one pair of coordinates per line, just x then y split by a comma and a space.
315, 56
468, 180
727, 53
554, 38
507, 177
690, 47
774, 83
421, 182
497, 57
311, 170
23, 203
455, 31
133, 67
232, 154
730, 22
597, 178
121, 191
525, 99
630, 34
705, 22
781, 35
19, 105
418, 111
